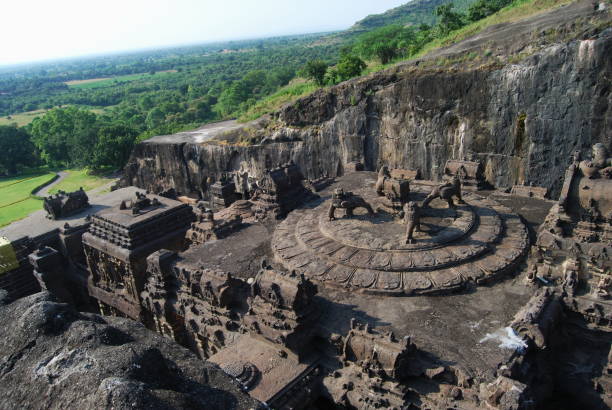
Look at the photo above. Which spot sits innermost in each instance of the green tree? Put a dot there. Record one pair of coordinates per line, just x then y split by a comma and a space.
16, 149
348, 67
155, 118
231, 98
146, 102
484, 8
382, 43
241, 94
449, 19
315, 70
114, 145
65, 135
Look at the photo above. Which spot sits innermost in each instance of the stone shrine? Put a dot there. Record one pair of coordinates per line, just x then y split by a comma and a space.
120, 239
65, 204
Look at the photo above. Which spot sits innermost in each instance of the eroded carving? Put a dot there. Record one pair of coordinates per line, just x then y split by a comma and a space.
446, 192
347, 201
65, 204
412, 219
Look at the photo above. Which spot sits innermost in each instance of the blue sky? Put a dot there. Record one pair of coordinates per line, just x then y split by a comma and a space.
43, 29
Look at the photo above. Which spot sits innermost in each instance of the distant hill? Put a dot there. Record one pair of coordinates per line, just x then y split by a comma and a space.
415, 12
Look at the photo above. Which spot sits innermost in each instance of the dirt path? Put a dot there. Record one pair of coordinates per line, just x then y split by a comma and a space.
44, 191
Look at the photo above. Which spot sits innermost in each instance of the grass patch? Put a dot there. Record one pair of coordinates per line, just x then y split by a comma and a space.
13, 192
16, 200
110, 81
19, 210
23, 118
80, 178
288, 94
518, 10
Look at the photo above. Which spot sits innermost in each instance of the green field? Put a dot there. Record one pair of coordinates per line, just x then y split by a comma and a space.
80, 178
16, 201
23, 118
110, 81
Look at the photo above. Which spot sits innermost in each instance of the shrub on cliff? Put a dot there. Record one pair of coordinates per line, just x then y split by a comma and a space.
348, 67
384, 43
449, 19
315, 70
485, 8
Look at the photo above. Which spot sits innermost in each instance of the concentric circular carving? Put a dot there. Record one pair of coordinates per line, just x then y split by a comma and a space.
477, 241
245, 373
383, 231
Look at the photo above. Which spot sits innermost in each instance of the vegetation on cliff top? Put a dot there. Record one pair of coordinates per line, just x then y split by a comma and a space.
297, 89
514, 11
412, 13
389, 45
184, 88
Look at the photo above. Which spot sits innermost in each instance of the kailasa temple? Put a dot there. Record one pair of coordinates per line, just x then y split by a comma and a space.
358, 290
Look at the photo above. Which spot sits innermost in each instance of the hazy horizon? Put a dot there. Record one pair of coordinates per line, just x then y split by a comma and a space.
64, 29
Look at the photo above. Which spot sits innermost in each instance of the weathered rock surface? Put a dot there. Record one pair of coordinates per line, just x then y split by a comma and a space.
523, 121
54, 357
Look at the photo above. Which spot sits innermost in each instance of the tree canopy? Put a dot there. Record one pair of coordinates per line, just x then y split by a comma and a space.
315, 70
348, 67
16, 149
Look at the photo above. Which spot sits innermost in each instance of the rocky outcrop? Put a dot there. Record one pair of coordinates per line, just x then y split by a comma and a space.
55, 357
522, 121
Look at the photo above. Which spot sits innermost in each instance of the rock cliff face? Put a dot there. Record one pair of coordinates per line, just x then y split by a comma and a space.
523, 121
55, 357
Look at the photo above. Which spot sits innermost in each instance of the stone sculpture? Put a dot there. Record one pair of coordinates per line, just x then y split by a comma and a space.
570, 282
446, 191
394, 190
191, 275
601, 291
65, 204
118, 242
470, 172
390, 187
537, 320
412, 216
206, 228
281, 307
139, 203
278, 191
599, 164
223, 192
348, 201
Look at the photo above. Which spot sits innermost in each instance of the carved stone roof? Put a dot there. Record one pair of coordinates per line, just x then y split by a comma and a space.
128, 230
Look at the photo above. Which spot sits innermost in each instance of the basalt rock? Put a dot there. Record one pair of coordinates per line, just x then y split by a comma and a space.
520, 121
55, 357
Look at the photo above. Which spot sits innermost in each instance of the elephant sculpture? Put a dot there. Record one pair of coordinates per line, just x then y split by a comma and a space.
348, 201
